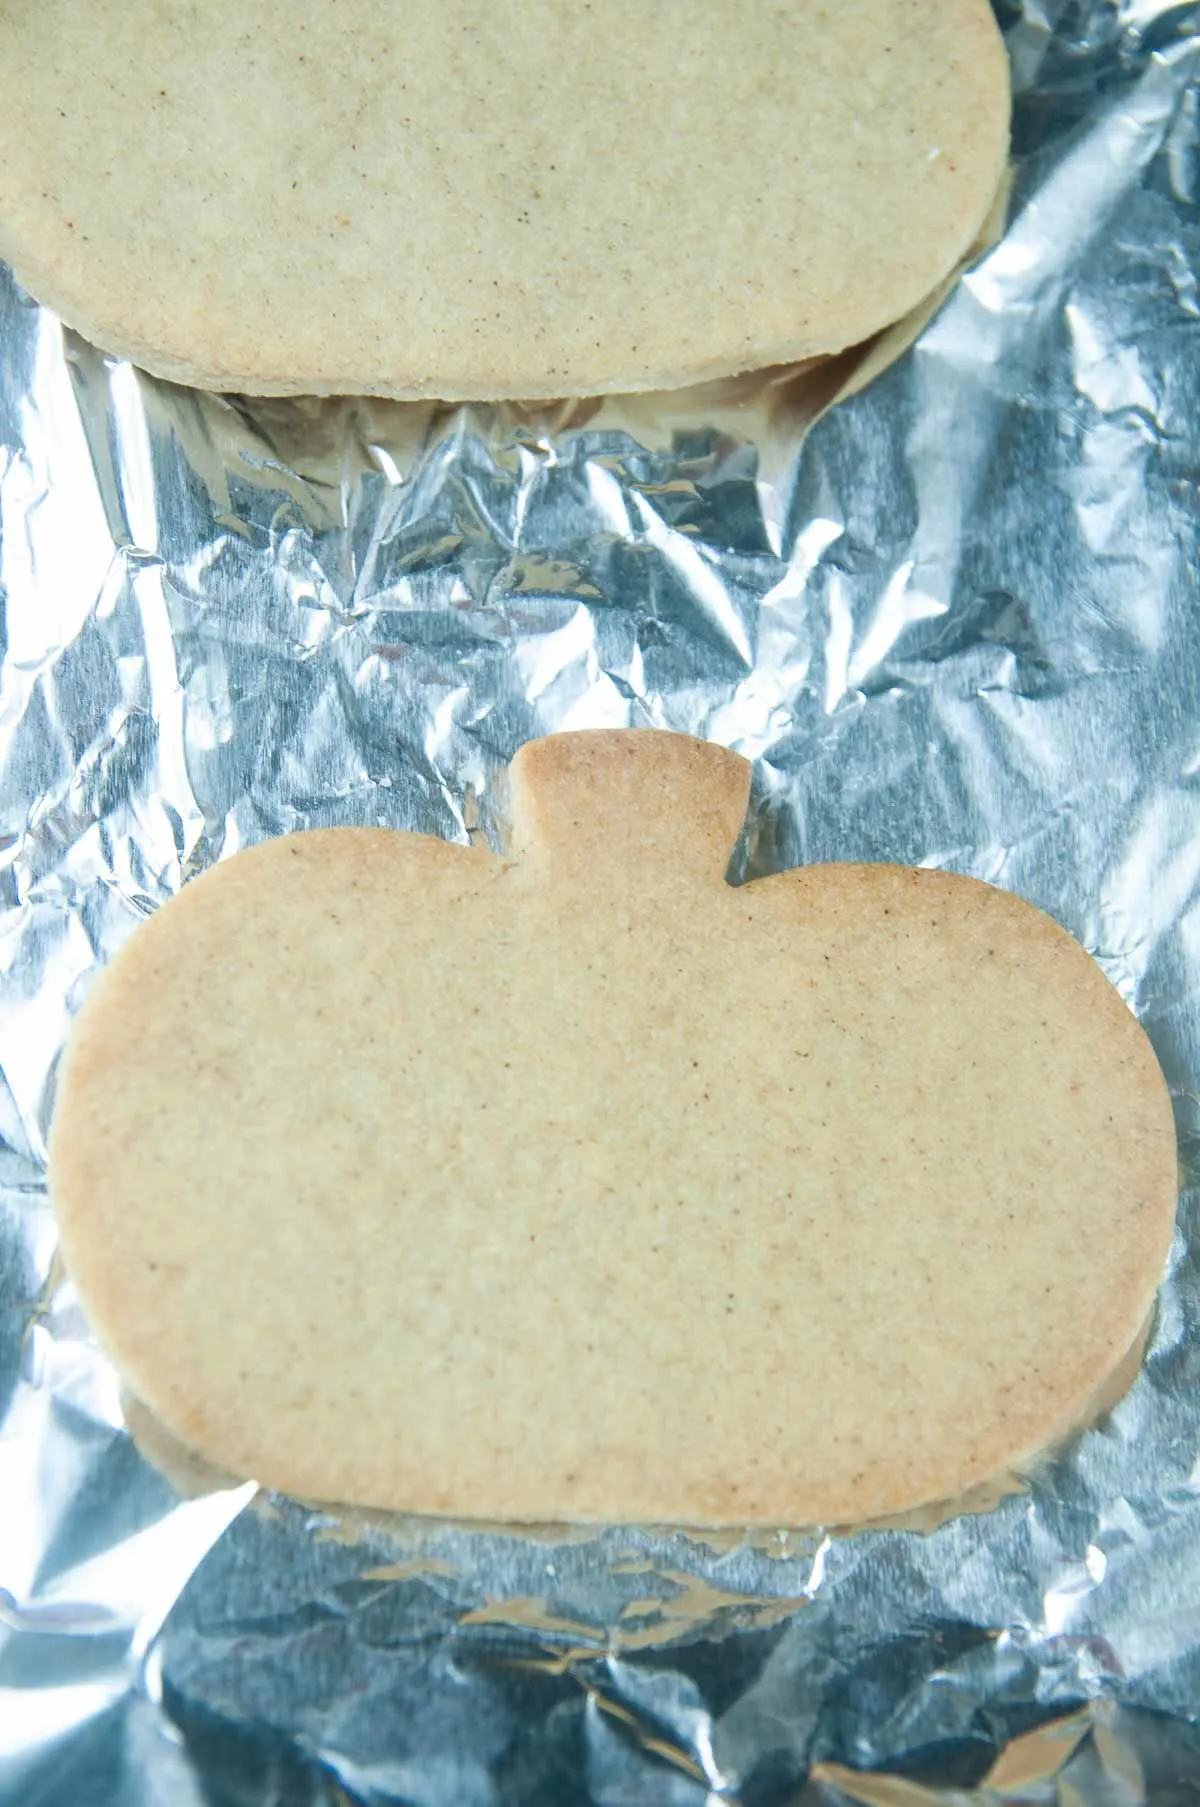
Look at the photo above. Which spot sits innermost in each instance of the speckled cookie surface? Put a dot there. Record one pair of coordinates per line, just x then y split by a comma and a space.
581, 1185
474, 200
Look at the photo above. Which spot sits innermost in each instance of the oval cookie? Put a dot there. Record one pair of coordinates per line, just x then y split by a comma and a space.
466, 200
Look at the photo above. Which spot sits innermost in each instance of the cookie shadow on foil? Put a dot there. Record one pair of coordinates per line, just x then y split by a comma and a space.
401, 1547
326, 444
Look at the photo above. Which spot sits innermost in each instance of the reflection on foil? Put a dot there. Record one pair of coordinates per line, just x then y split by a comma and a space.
956, 624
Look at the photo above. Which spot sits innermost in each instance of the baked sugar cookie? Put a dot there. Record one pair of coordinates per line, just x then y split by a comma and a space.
579, 1184
466, 200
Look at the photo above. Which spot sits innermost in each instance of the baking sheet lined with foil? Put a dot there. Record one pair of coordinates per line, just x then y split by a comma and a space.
957, 624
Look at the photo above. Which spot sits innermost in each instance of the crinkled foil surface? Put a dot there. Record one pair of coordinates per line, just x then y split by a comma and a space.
954, 620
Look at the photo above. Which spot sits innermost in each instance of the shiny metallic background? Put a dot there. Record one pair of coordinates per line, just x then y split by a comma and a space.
957, 623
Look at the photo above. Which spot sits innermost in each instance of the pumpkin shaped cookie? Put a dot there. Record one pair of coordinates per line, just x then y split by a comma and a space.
580, 1184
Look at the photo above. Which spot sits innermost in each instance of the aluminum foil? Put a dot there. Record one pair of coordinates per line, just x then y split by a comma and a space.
954, 619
